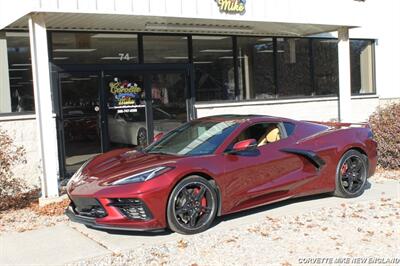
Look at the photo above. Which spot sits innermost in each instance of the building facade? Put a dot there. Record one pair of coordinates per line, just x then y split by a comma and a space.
81, 77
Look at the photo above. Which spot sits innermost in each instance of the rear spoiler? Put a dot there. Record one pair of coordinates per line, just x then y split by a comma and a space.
340, 125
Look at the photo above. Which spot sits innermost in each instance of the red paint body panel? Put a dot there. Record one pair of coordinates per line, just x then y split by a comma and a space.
264, 175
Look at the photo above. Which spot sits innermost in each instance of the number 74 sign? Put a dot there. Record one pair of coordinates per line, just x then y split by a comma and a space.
124, 56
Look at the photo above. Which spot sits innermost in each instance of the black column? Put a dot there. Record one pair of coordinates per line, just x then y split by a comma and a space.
236, 68
149, 109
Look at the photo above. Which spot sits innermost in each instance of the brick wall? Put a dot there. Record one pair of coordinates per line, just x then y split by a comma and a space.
22, 129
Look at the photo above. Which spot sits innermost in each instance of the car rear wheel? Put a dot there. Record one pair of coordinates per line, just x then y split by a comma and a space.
192, 206
351, 175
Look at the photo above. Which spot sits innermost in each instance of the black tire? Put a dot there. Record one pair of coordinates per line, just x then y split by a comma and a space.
351, 175
141, 138
192, 206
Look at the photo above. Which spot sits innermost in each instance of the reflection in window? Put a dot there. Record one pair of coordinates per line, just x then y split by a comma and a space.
165, 49
326, 73
94, 48
169, 101
362, 66
293, 67
256, 68
20, 74
213, 62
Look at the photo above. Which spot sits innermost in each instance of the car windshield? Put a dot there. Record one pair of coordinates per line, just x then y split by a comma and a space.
194, 138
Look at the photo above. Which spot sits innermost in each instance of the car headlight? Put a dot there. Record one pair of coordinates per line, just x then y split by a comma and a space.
78, 174
143, 176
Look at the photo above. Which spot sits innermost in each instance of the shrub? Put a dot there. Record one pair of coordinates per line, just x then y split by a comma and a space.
385, 124
14, 192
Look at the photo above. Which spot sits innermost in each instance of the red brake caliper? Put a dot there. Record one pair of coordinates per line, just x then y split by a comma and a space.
344, 168
203, 201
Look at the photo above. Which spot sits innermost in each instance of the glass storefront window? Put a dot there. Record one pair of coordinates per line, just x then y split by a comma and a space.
80, 117
326, 69
126, 108
362, 66
293, 67
19, 96
94, 48
256, 68
168, 101
165, 49
214, 71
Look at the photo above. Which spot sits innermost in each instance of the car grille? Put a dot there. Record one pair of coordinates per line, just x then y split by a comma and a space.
88, 207
132, 208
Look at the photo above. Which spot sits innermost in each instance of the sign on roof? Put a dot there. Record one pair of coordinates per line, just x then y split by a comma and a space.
232, 6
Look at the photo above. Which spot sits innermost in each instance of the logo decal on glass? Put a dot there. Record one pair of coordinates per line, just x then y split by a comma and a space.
125, 93
232, 6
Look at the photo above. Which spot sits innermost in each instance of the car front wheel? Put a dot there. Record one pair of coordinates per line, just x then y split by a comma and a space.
192, 206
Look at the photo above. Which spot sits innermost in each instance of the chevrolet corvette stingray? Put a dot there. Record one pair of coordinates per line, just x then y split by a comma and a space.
218, 165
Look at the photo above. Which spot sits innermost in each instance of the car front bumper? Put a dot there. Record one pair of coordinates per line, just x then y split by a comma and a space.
92, 223
135, 213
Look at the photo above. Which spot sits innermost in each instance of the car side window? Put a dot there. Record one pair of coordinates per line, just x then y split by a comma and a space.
263, 133
289, 127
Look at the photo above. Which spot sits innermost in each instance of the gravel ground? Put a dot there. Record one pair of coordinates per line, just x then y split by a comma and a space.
347, 231
27, 219
33, 217
381, 175
367, 230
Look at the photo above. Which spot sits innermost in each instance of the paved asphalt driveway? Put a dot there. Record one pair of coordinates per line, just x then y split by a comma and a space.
69, 242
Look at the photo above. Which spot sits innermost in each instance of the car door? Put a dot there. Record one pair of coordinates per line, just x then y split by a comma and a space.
259, 176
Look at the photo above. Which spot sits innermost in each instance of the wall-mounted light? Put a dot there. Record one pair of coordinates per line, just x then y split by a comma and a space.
216, 51
18, 69
74, 50
27, 64
176, 57
113, 36
209, 38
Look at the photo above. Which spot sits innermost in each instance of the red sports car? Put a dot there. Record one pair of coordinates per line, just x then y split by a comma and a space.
218, 165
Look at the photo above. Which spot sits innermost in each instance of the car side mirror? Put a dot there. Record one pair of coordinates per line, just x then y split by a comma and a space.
244, 145
158, 136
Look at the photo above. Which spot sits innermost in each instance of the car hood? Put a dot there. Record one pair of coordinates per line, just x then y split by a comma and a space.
117, 164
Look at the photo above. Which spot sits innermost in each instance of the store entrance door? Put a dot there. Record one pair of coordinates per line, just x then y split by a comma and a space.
103, 108
142, 104
79, 118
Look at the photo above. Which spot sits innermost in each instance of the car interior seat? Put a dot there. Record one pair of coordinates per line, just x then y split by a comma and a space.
272, 134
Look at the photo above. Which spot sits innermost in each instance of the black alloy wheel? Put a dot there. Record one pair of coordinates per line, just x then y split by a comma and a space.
351, 174
192, 206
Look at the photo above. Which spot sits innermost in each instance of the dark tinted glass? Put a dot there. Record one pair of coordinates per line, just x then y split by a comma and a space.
19, 96
294, 78
213, 61
94, 48
165, 49
326, 73
256, 68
